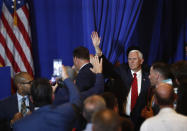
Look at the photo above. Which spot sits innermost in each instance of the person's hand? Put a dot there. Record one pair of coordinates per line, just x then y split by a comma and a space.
96, 42
147, 112
64, 73
97, 65
95, 39
54, 87
16, 117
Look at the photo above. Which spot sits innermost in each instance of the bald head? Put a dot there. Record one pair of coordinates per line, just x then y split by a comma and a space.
106, 120
23, 80
93, 104
164, 94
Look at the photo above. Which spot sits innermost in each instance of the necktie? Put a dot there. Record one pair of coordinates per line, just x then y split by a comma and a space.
23, 106
134, 91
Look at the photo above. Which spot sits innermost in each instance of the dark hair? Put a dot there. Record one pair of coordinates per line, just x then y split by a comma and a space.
163, 69
106, 120
165, 101
179, 70
81, 52
110, 99
41, 92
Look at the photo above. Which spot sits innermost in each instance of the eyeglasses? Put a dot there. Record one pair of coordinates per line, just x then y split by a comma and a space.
29, 82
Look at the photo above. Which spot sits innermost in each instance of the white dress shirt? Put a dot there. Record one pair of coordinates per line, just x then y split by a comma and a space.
19, 97
166, 120
83, 66
88, 127
128, 103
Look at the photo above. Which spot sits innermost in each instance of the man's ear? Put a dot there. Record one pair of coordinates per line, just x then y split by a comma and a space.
142, 60
177, 81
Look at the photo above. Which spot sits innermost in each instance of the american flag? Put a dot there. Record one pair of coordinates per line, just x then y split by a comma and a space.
15, 36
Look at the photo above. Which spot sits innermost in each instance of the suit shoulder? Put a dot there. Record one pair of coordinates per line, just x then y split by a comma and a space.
8, 99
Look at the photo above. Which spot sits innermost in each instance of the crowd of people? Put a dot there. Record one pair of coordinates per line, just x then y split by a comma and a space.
99, 96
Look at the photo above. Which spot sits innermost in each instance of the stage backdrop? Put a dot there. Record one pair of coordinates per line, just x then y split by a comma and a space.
58, 26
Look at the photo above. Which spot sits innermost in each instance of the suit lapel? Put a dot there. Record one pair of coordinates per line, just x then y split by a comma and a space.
144, 83
129, 79
15, 103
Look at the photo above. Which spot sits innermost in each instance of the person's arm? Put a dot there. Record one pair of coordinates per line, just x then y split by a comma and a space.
96, 42
99, 84
74, 94
108, 67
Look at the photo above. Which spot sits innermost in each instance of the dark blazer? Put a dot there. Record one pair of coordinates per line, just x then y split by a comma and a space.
8, 108
85, 78
123, 74
50, 117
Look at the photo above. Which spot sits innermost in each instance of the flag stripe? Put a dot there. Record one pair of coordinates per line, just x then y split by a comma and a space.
2, 62
6, 60
13, 50
16, 44
9, 54
26, 11
24, 32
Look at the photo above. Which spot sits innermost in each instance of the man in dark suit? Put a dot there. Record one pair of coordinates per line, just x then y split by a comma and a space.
46, 116
124, 73
85, 78
11, 107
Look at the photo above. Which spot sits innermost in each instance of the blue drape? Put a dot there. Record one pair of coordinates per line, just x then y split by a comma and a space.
115, 21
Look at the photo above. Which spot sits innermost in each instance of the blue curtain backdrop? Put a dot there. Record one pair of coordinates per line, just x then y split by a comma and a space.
115, 21
158, 27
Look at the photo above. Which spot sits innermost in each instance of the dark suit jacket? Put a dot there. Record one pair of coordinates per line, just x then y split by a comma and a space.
50, 117
8, 108
85, 78
123, 74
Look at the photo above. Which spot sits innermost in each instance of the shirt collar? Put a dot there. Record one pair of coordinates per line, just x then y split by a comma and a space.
83, 66
168, 81
138, 74
88, 127
20, 97
166, 110
36, 108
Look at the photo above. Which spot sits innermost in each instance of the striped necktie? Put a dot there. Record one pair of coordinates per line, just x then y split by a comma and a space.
23, 106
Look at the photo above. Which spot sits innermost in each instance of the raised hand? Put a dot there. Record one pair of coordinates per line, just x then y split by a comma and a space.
96, 42
97, 65
95, 39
